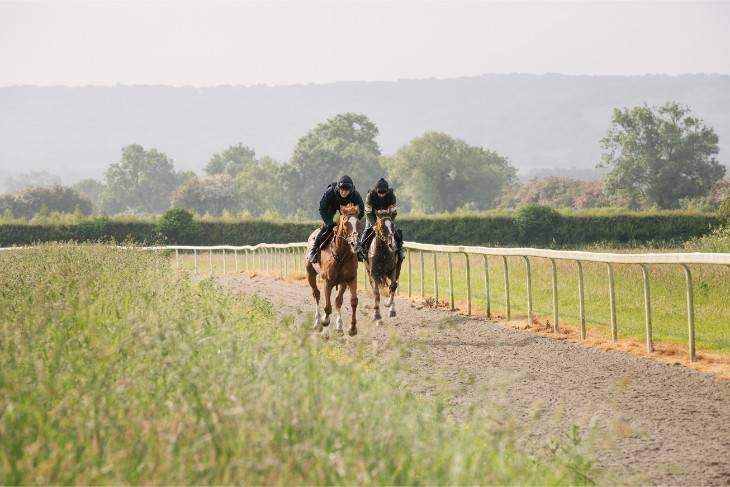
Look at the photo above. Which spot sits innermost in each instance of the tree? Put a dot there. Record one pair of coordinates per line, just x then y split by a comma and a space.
260, 188
345, 144
554, 191
29, 201
142, 181
90, 188
231, 161
209, 194
660, 155
437, 173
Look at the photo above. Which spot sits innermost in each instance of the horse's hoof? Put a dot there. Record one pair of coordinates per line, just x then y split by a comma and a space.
377, 318
378, 322
341, 332
391, 314
317, 328
353, 332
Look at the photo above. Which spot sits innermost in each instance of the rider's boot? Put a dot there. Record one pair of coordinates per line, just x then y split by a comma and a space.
362, 255
399, 239
313, 255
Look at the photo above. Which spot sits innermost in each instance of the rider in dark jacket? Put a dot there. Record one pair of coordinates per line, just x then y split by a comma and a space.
379, 198
337, 194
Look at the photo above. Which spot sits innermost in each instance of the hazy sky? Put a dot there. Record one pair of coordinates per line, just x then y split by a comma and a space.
291, 42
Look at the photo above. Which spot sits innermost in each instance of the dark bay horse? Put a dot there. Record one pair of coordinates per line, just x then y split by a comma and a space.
337, 267
383, 264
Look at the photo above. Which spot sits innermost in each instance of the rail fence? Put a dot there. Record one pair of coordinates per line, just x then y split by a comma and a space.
288, 258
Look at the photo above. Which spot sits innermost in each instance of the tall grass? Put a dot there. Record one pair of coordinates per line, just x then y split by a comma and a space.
115, 370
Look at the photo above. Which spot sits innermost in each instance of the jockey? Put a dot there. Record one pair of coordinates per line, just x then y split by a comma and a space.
337, 194
379, 198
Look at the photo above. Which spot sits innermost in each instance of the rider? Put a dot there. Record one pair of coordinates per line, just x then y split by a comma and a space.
342, 192
379, 198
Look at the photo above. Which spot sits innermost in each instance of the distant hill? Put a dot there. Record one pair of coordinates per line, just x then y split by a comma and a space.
540, 122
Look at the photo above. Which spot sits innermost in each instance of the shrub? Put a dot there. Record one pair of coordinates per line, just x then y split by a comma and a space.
178, 227
537, 224
724, 210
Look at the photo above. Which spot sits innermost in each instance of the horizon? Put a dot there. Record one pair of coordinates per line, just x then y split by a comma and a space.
263, 85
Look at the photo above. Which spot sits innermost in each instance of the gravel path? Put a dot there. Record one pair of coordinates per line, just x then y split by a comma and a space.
667, 424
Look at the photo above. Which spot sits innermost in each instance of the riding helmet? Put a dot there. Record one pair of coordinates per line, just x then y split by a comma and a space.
381, 185
345, 182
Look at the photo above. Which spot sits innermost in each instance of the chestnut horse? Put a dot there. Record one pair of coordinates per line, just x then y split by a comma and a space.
383, 263
337, 267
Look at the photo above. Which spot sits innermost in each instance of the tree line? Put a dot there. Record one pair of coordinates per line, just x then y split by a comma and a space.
661, 157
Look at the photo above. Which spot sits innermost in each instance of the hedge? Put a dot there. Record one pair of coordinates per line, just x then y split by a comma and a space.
492, 231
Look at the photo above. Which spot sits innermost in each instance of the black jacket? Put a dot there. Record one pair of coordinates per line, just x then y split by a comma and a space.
331, 202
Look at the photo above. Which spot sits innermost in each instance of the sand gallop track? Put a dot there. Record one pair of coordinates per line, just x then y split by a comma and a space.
670, 425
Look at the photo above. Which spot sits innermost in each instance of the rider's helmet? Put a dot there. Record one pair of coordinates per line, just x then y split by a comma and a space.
346, 183
381, 186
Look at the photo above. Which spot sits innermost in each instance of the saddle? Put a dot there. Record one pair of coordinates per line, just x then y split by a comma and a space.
326, 240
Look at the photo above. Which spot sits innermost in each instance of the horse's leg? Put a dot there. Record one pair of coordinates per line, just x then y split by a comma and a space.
327, 303
312, 279
353, 304
376, 306
338, 308
391, 298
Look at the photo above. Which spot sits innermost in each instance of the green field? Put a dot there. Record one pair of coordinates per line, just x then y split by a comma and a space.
116, 369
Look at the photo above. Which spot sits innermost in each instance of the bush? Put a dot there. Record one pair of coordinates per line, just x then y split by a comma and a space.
537, 224
724, 210
178, 227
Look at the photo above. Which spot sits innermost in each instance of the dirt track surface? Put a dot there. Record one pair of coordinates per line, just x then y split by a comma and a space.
668, 425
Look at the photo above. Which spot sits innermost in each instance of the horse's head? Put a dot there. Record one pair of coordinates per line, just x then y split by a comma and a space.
385, 231
348, 226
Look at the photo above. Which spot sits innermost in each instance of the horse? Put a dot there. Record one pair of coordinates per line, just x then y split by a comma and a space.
337, 267
383, 263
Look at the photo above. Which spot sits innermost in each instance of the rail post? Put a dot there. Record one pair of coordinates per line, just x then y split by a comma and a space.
647, 308
451, 282
581, 299
555, 295
612, 303
408, 252
486, 286
435, 281
529, 291
468, 285
423, 292
506, 286
690, 313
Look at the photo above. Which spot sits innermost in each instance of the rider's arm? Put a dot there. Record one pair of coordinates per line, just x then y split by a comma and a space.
369, 214
358, 201
393, 208
324, 206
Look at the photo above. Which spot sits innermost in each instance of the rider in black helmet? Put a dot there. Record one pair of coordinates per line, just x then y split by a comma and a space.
380, 197
342, 192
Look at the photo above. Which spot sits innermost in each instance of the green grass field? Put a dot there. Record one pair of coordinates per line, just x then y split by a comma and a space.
116, 369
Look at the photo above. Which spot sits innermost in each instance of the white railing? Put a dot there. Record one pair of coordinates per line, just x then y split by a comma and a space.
290, 258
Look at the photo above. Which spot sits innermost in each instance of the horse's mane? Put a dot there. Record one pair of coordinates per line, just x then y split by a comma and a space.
349, 210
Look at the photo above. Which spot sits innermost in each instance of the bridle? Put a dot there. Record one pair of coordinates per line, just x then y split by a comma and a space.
350, 239
381, 234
